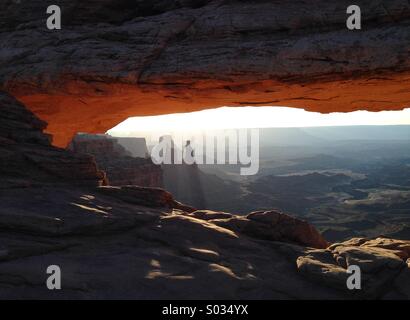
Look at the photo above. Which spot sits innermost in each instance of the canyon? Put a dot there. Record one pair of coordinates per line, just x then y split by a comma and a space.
115, 157
116, 59
140, 243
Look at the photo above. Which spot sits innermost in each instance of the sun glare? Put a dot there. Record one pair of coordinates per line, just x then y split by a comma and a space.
255, 117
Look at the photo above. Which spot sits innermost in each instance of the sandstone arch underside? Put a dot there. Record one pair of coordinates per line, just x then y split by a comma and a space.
116, 59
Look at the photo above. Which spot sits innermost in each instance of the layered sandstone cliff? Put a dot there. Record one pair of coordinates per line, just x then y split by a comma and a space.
136, 146
116, 59
120, 167
27, 156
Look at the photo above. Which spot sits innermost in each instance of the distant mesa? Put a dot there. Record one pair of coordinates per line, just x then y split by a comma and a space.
136, 146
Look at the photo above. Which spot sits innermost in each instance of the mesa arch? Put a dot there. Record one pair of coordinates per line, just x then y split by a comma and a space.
116, 59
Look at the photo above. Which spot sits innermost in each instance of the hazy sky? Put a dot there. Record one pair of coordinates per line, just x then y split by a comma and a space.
256, 117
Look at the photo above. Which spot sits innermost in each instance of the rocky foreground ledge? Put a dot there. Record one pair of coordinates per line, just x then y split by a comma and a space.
139, 243
109, 246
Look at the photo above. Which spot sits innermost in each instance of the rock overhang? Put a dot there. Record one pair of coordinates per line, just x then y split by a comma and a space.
95, 73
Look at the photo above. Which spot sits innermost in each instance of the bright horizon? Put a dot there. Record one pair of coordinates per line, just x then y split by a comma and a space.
256, 117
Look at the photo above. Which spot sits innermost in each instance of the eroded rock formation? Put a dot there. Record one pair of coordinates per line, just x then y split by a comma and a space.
140, 243
382, 261
120, 167
136, 146
185, 181
27, 157
116, 59
267, 225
